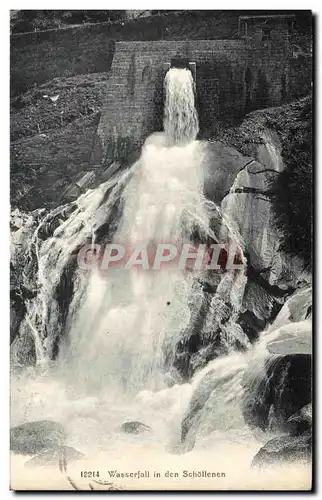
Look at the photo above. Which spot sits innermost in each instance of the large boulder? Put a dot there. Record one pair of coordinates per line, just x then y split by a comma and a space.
284, 450
135, 427
301, 421
292, 339
193, 415
212, 330
198, 343
248, 205
297, 308
278, 391
221, 164
23, 350
36, 437
217, 391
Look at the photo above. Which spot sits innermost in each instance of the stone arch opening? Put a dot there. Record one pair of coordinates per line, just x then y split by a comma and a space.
146, 74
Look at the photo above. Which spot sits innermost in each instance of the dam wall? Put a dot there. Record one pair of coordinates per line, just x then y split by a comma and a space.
134, 103
256, 69
232, 78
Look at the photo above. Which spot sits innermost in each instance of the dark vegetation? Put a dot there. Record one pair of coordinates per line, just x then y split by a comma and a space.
23, 21
149, 25
292, 188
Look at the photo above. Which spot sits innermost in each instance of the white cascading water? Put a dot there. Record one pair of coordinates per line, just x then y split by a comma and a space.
180, 115
111, 363
124, 319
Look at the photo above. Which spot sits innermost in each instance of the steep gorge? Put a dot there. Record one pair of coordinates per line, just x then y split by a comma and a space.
199, 357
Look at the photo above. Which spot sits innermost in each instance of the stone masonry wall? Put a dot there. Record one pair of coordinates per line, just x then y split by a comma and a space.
134, 101
233, 77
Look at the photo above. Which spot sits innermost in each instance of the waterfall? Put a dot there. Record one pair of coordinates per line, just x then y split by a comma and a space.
180, 115
125, 318
105, 342
119, 326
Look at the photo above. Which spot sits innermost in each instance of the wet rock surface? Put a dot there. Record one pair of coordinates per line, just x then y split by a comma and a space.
283, 389
199, 398
221, 165
217, 392
23, 350
301, 421
295, 338
233, 179
36, 437
284, 449
135, 427
297, 308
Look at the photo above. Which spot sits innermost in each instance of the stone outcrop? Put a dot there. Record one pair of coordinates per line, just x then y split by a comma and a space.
282, 390
301, 421
36, 437
239, 184
275, 383
284, 450
135, 427
51, 142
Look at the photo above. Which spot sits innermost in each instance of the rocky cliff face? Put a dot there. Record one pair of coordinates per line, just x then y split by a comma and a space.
52, 131
51, 144
266, 385
238, 178
266, 137
272, 276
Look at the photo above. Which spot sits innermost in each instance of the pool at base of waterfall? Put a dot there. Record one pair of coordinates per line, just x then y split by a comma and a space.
152, 459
